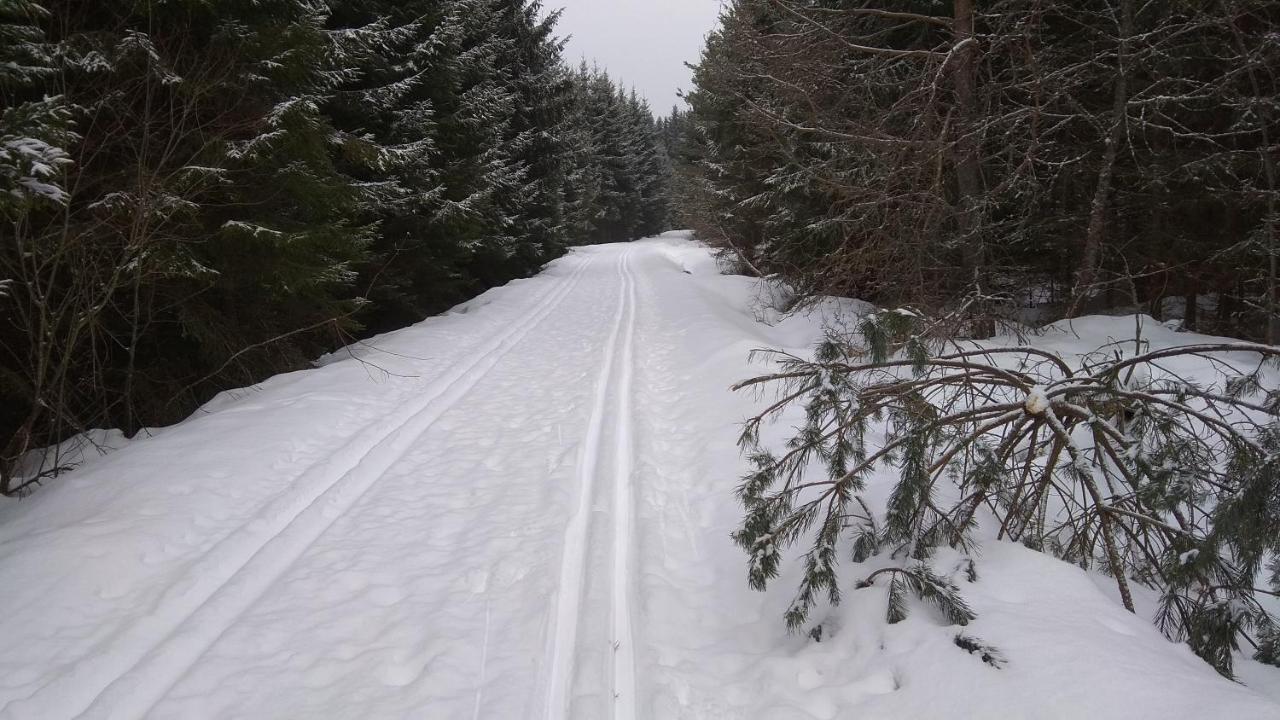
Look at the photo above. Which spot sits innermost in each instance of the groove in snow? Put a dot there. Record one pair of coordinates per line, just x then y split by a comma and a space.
128, 677
624, 660
573, 560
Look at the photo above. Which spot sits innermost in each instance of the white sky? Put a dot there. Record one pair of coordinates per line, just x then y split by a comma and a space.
643, 43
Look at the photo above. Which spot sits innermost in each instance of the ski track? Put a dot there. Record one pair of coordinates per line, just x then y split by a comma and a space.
126, 679
484, 662
624, 660
539, 530
574, 558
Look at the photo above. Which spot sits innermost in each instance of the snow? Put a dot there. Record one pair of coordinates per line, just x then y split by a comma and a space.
38, 158
1037, 402
71, 453
521, 509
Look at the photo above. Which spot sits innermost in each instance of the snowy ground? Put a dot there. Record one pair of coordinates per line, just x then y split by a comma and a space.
520, 509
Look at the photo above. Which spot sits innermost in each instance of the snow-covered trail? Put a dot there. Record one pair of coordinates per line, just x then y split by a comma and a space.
445, 559
129, 675
519, 509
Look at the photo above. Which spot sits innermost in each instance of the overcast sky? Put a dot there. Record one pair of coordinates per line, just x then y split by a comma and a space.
644, 43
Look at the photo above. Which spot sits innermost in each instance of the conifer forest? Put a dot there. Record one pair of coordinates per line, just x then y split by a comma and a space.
418, 359
1068, 157
205, 194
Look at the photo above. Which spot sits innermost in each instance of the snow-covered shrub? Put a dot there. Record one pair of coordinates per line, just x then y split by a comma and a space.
1119, 460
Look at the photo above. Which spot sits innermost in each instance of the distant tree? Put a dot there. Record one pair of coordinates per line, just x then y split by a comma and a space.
622, 160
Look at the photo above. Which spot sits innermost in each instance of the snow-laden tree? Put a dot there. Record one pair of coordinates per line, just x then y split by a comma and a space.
584, 172
954, 154
201, 236
386, 115
650, 166
622, 158
538, 135
197, 195
35, 128
1116, 461
456, 123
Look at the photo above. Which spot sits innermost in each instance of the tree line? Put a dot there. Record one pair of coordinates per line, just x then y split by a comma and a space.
1006, 159
966, 165
197, 195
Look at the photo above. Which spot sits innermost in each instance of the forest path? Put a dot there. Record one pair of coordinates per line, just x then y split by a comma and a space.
466, 552
517, 510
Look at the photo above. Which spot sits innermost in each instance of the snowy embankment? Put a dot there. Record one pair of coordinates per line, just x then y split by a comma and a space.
521, 509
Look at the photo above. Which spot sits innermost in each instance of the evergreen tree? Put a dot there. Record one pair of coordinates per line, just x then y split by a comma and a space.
649, 166
467, 147
389, 116
958, 156
34, 128
536, 139
584, 178
198, 195
624, 186
203, 237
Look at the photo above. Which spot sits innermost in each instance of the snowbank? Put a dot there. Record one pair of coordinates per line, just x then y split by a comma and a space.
1069, 648
385, 535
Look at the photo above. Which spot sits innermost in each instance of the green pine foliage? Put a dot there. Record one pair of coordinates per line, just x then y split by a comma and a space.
1268, 650
974, 646
34, 127
197, 195
1110, 461
624, 193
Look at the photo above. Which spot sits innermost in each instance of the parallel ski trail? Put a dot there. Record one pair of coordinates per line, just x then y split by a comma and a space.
574, 558
624, 659
144, 660
484, 663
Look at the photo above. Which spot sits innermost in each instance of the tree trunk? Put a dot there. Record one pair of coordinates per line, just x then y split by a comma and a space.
1191, 316
1095, 235
1273, 285
1226, 311
1270, 229
968, 171
973, 252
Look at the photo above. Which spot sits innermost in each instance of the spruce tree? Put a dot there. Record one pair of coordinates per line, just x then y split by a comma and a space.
651, 168
536, 138
387, 115
204, 194
583, 177
201, 238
